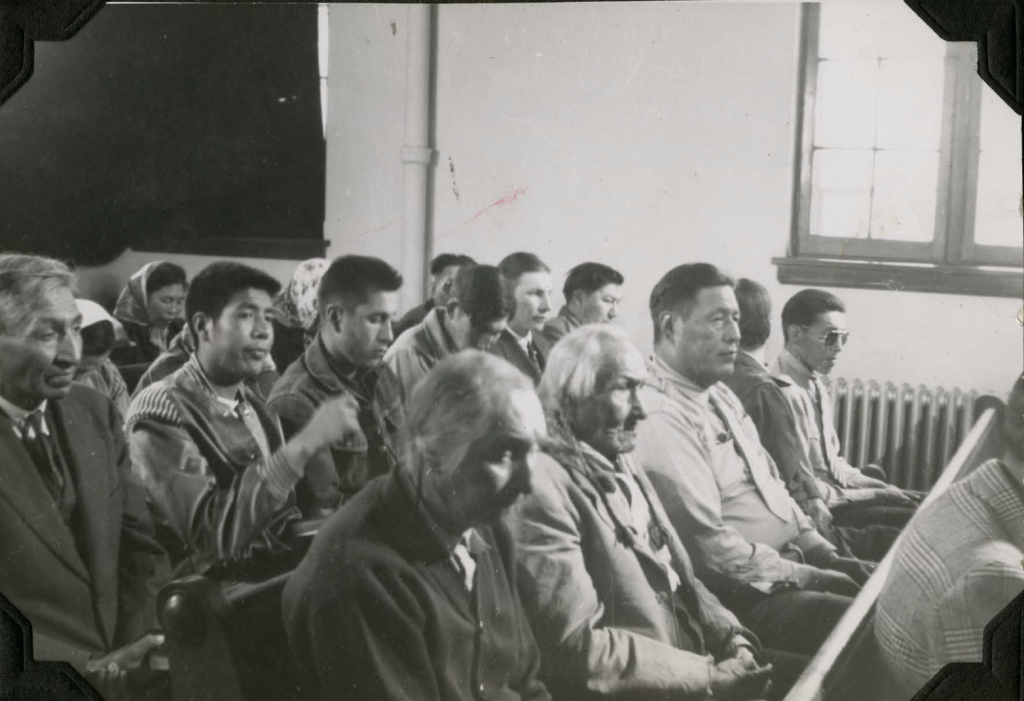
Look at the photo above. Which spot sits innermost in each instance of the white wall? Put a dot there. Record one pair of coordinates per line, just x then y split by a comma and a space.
649, 135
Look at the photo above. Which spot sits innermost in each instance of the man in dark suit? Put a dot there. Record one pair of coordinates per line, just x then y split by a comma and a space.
77, 550
522, 342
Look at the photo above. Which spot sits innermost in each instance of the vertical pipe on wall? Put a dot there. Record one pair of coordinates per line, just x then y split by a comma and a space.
417, 154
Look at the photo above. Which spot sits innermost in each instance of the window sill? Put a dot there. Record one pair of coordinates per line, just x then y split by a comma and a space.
240, 246
873, 275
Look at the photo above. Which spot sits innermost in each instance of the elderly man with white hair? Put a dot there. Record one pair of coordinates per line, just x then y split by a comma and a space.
409, 592
608, 587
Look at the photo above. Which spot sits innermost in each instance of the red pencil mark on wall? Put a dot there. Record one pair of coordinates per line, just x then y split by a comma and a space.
379, 228
506, 200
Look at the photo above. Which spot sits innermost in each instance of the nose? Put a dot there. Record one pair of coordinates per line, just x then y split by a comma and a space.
545, 302
262, 328
613, 312
69, 352
732, 331
637, 405
387, 333
524, 472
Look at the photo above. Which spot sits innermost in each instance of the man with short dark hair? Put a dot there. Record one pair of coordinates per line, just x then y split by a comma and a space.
79, 555
592, 292
815, 331
475, 316
750, 541
765, 402
358, 297
211, 453
957, 566
442, 272
522, 342
408, 592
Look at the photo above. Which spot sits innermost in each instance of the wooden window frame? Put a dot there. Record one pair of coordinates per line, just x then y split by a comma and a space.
952, 262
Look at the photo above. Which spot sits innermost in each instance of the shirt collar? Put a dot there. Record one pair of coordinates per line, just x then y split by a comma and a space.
16, 413
592, 454
795, 368
684, 385
523, 341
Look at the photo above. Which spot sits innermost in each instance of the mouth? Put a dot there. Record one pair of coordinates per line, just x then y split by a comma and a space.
256, 353
63, 379
730, 354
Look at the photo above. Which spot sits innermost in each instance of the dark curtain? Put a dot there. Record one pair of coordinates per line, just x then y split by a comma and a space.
161, 127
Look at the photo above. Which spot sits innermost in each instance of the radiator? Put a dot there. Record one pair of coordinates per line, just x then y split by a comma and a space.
912, 433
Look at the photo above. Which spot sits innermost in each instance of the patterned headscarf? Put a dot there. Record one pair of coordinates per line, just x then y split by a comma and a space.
296, 304
132, 303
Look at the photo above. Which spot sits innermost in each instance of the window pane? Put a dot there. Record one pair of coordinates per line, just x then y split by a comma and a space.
875, 29
910, 103
997, 220
903, 203
845, 104
841, 193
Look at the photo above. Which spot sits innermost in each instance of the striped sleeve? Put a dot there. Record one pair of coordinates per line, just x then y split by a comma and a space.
154, 404
279, 474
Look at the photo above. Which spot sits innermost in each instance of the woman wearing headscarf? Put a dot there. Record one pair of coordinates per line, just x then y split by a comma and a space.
296, 312
94, 368
150, 308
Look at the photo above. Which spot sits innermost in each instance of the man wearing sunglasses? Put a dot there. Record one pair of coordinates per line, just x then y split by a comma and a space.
814, 327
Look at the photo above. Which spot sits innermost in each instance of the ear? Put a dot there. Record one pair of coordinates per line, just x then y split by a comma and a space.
201, 324
793, 331
667, 322
333, 316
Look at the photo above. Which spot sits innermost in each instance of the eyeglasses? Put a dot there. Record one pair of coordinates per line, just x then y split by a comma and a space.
835, 338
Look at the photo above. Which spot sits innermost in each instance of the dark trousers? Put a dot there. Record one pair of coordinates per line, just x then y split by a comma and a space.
789, 621
869, 514
786, 669
869, 543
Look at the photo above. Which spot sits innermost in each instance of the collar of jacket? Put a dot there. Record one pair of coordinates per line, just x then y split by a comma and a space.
409, 528
337, 375
565, 313
793, 369
435, 334
749, 366
193, 374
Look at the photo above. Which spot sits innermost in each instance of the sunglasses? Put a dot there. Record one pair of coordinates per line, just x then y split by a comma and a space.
835, 338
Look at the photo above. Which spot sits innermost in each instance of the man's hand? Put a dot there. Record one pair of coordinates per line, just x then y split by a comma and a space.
109, 674
332, 422
820, 515
857, 570
737, 679
894, 496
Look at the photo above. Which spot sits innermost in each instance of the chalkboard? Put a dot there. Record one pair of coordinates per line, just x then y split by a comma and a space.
187, 128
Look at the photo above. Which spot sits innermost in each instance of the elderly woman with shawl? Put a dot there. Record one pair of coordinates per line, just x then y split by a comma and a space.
150, 308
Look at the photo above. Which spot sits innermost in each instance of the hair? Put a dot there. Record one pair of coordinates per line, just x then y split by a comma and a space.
482, 293
590, 277
24, 281
165, 275
804, 307
351, 279
447, 260
98, 338
679, 288
1013, 420
212, 289
455, 403
755, 313
515, 265
578, 365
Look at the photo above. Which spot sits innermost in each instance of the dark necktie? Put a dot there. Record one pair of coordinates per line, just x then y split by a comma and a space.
40, 448
531, 350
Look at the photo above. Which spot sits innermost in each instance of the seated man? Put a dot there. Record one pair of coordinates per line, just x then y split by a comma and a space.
750, 541
814, 327
474, 316
521, 343
608, 587
763, 398
209, 451
408, 592
79, 557
958, 565
357, 297
442, 271
592, 295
